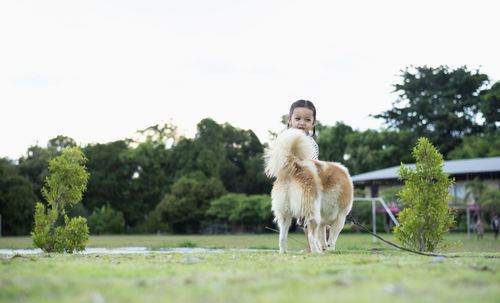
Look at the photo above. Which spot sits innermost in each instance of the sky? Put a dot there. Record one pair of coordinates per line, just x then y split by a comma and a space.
98, 71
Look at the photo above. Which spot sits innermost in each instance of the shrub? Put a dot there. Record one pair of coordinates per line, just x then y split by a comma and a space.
64, 186
156, 221
106, 220
235, 207
425, 195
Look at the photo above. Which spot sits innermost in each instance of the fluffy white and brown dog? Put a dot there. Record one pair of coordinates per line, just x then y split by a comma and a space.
317, 192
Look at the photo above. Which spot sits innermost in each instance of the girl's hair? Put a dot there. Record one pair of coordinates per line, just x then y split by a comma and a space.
303, 103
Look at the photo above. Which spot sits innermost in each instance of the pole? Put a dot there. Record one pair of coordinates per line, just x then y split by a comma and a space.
374, 221
467, 211
388, 210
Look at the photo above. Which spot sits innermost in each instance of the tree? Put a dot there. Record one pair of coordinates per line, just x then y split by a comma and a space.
205, 153
17, 200
242, 168
490, 107
149, 177
332, 141
189, 198
371, 150
166, 134
241, 208
425, 195
157, 218
223, 151
65, 186
34, 166
440, 103
60, 142
185, 154
250, 210
222, 207
480, 146
110, 178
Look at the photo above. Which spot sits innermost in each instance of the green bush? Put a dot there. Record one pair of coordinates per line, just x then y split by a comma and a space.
241, 208
156, 221
71, 236
64, 186
106, 220
425, 195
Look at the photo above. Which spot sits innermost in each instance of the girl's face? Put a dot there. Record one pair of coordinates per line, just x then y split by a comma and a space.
302, 118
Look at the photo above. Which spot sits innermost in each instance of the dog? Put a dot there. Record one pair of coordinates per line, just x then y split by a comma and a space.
317, 192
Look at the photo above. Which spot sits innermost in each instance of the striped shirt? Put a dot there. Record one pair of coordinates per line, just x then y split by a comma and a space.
315, 154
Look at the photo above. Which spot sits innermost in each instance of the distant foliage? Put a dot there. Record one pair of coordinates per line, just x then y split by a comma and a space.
490, 107
185, 206
234, 207
17, 200
477, 147
390, 195
65, 186
426, 217
490, 199
106, 220
442, 104
154, 177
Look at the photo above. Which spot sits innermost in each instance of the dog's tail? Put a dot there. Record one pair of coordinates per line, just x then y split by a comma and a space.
289, 146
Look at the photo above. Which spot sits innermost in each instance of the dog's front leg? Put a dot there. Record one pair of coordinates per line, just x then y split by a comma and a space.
284, 225
335, 230
322, 236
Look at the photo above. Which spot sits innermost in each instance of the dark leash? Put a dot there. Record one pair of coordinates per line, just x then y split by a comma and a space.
357, 223
277, 231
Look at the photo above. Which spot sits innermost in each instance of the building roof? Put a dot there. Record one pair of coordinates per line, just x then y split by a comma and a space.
453, 167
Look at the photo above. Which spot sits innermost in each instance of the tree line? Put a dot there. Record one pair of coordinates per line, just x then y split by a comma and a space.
214, 182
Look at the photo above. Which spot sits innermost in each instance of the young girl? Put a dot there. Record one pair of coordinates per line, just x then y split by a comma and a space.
303, 116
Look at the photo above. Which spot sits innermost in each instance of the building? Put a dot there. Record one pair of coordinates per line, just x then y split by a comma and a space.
487, 169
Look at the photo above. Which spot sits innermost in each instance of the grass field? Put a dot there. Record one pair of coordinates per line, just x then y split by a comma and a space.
296, 241
359, 271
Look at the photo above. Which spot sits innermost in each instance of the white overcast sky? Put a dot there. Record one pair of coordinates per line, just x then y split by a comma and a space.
97, 71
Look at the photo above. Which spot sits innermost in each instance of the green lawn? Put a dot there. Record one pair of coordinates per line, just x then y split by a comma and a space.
296, 241
359, 271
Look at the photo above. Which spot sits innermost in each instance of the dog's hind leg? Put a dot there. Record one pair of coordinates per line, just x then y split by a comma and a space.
335, 230
284, 226
313, 236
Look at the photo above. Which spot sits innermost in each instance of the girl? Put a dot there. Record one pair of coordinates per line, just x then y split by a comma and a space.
303, 116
